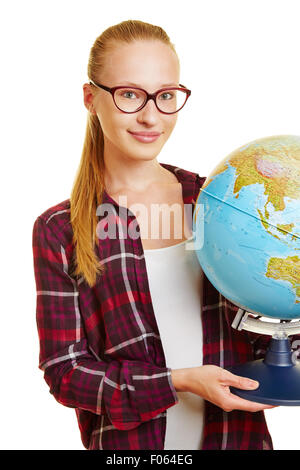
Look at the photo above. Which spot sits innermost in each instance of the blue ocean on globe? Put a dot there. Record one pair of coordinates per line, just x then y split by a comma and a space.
248, 231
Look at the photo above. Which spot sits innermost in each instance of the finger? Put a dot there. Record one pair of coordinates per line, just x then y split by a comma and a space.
237, 403
237, 381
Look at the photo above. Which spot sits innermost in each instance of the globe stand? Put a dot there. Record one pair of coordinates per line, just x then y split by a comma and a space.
278, 373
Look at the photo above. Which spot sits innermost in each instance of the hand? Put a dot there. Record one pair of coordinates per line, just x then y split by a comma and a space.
212, 383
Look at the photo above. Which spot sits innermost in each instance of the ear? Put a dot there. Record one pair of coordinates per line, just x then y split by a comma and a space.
88, 98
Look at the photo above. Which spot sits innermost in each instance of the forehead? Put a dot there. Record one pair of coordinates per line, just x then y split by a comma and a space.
146, 63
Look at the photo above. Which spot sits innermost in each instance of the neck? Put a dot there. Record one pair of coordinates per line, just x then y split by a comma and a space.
121, 171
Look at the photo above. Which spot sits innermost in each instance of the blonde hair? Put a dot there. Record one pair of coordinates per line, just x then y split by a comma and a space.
88, 186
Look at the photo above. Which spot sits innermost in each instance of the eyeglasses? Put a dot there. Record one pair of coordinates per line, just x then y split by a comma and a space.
132, 99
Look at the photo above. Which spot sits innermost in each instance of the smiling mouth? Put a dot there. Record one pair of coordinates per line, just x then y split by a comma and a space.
145, 138
146, 134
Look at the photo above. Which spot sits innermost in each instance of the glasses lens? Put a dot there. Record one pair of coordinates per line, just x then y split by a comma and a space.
170, 101
129, 99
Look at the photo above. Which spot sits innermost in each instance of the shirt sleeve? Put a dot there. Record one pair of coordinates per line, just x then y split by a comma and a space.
128, 392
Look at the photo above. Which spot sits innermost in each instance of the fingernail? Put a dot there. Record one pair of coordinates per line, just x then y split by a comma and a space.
252, 383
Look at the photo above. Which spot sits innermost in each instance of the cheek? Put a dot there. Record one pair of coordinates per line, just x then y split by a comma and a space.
115, 128
111, 122
170, 124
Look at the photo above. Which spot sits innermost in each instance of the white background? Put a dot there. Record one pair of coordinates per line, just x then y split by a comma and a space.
241, 61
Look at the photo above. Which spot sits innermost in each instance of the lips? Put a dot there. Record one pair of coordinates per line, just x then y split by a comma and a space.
145, 137
146, 134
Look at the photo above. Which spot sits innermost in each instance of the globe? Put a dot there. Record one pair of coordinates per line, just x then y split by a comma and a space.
247, 227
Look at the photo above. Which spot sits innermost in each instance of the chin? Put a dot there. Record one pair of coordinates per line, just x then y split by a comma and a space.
143, 152
144, 157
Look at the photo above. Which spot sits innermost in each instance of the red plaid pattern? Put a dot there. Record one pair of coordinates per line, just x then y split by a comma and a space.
100, 348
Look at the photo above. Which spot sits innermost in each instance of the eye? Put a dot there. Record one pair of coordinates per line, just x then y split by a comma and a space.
129, 94
167, 95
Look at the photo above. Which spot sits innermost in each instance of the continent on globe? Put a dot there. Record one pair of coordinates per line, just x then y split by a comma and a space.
286, 269
269, 164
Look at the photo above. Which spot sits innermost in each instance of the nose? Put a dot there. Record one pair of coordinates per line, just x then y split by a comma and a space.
149, 113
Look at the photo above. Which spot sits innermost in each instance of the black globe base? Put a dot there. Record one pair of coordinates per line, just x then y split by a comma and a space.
277, 374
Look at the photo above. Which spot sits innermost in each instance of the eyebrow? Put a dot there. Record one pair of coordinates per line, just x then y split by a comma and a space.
139, 86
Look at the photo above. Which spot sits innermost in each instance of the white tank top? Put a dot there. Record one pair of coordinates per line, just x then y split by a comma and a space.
175, 281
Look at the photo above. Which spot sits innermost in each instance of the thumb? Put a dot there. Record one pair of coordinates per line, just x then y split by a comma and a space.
237, 381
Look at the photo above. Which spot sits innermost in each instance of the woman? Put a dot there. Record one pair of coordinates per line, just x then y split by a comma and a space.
122, 318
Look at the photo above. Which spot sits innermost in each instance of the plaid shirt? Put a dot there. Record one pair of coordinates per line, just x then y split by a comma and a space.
100, 348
